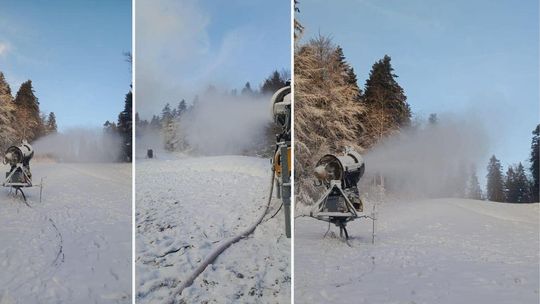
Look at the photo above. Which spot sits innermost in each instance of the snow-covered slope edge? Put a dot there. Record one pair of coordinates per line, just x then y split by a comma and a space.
430, 251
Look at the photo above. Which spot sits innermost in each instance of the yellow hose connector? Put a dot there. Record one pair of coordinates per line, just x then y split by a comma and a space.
277, 161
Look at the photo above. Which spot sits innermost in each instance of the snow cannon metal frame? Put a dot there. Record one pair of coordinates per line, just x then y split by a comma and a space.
281, 162
341, 202
19, 175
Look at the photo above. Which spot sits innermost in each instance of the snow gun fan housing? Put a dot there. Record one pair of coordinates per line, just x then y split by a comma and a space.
340, 174
281, 108
18, 158
347, 168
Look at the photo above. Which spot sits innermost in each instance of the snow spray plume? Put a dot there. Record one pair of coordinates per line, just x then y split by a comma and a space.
80, 145
220, 125
433, 161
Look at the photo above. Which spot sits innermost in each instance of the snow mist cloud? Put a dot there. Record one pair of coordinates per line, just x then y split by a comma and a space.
226, 124
433, 160
79, 145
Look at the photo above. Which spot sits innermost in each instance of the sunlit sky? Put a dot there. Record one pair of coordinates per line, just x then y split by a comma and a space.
451, 56
182, 46
73, 53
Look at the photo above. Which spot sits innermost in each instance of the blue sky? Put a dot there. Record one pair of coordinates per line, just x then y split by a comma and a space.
72, 52
182, 46
458, 56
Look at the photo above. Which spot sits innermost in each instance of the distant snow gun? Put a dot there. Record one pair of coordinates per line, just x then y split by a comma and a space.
281, 162
341, 202
19, 175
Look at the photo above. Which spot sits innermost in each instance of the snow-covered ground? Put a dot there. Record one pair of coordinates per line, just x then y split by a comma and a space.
74, 246
430, 251
184, 208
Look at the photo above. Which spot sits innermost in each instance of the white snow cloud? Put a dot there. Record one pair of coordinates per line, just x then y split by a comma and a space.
4, 48
427, 161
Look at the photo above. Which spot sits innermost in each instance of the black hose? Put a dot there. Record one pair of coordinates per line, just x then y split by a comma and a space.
221, 248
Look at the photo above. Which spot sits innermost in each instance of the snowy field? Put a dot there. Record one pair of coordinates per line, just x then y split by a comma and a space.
75, 246
432, 251
185, 208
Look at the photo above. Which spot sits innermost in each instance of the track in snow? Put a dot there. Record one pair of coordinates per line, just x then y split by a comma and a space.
185, 208
75, 246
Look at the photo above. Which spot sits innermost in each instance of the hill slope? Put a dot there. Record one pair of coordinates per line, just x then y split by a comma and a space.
431, 251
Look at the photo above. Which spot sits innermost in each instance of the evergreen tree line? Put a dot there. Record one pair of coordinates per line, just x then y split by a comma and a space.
515, 186
168, 122
20, 116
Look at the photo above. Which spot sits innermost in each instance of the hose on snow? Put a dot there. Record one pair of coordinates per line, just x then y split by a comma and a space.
226, 244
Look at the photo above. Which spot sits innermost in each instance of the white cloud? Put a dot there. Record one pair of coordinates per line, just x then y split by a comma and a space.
4, 48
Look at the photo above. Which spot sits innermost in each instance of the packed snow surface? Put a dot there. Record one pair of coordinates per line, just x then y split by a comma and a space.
74, 246
430, 251
185, 207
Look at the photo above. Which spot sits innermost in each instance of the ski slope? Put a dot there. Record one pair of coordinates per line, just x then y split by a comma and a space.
185, 207
430, 251
74, 246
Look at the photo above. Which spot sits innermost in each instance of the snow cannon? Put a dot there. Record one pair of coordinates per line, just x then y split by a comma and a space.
281, 108
281, 162
340, 175
19, 175
19, 155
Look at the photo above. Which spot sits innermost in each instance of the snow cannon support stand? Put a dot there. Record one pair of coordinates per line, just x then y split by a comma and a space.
341, 202
19, 175
281, 162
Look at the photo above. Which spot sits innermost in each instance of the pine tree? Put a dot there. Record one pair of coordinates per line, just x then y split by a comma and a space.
27, 112
51, 126
7, 115
510, 186
495, 187
125, 127
473, 187
273, 83
522, 185
386, 103
535, 164
155, 123
166, 114
247, 89
110, 127
182, 107
350, 77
